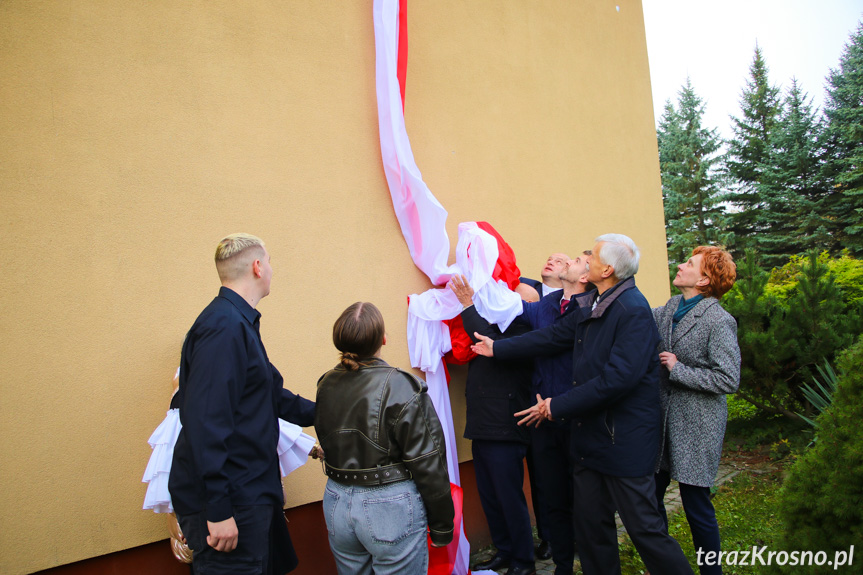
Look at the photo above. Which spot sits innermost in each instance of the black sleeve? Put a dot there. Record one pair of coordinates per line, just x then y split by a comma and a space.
473, 322
419, 434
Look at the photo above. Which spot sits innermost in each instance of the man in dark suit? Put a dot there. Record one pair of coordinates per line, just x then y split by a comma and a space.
224, 481
494, 391
549, 443
613, 409
551, 282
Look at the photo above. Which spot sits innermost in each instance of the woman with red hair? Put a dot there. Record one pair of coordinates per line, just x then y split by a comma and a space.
701, 364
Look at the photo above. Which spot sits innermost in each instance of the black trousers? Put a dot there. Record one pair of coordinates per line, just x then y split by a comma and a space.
253, 542
596, 497
550, 450
700, 515
499, 468
536, 497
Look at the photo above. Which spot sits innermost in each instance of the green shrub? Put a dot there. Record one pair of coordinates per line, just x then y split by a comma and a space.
821, 501
789, 322
847, 273
739, 408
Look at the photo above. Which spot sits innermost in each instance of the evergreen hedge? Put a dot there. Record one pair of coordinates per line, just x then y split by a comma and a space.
821, 501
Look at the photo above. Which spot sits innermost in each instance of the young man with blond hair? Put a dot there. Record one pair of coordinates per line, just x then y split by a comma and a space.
225, 483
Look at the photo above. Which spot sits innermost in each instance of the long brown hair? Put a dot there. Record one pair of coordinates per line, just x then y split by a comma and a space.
358, 333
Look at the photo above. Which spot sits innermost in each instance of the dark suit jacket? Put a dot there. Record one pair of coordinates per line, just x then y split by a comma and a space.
495, 388
552, 375
230, 397
535, 284
614, 402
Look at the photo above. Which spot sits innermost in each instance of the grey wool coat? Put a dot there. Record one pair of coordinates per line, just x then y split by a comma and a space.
694, 410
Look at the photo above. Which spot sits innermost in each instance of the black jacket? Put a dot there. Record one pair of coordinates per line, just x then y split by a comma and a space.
496, 389
380, 415
230, 399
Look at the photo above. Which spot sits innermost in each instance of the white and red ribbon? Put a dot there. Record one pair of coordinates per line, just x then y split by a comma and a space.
423, 224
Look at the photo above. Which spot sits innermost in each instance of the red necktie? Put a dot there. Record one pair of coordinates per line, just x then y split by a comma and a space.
563, 305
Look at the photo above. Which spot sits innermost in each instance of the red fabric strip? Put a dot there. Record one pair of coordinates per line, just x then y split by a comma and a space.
504, 269
402, 62
442, 559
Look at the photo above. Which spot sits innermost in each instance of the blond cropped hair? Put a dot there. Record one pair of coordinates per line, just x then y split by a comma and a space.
234, 254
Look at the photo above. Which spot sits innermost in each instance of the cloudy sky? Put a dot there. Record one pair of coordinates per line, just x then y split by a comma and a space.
713, 42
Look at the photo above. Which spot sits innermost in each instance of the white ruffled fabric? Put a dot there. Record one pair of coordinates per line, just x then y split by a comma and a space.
294, 447
476, 255
156, 475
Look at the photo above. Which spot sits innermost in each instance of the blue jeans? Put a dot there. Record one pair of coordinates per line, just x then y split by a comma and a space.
380, 529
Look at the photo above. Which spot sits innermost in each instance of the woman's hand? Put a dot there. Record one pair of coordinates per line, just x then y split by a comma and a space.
317, 452
668, 359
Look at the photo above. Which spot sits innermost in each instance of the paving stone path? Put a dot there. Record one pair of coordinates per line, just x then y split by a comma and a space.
672, 504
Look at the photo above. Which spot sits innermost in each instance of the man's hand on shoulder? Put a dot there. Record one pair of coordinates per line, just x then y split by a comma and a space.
223, 535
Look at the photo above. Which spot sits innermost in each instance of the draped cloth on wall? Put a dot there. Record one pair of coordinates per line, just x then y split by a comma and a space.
422, 220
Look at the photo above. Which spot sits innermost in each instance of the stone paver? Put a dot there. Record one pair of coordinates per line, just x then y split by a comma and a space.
672, 504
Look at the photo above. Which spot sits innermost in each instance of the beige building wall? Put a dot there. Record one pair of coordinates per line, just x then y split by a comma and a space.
136, 134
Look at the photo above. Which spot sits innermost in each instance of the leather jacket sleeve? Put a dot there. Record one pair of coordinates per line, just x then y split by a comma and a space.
417, 430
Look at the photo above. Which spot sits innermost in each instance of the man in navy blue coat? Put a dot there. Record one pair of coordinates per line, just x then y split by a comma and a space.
614, 412
225, 483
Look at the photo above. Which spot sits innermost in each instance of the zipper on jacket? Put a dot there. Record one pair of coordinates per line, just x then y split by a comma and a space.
611, 429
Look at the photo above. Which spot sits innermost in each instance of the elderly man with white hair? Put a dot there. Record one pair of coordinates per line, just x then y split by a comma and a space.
613, 409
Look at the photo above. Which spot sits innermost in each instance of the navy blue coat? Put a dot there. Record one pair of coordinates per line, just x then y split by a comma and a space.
552, 374
614, 402
230, 399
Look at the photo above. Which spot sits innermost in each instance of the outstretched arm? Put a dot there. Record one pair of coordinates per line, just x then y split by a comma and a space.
550, 340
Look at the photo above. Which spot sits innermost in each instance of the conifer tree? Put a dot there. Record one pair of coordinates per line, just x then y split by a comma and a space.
783, 338
748, 152
687, 160
791, 186
844, 142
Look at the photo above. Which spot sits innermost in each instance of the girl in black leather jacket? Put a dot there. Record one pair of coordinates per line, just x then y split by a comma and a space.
384, 455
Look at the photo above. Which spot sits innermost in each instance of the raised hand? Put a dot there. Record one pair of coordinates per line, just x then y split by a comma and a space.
462, 290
